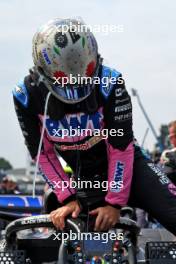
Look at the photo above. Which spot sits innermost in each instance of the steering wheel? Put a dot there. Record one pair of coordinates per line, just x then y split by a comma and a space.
74, 224
37, 221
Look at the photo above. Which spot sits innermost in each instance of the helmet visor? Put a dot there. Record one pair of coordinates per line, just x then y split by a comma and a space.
72, 94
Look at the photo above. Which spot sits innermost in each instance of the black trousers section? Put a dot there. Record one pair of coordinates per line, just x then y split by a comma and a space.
152, 191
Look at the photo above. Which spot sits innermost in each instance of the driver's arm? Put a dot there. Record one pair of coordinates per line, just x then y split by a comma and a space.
120, 149
49, 164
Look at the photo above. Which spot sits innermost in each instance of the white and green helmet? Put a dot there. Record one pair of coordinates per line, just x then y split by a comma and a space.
63, 49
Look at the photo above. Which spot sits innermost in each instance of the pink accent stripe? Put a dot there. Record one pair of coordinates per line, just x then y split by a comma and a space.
51, 167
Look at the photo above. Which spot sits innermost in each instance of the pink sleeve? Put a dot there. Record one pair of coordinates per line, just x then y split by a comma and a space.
53, 172
120, 172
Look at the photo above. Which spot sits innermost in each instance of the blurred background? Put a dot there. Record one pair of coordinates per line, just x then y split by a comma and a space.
144, 52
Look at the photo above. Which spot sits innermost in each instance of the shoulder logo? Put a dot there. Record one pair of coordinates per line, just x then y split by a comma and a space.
18, 90
21, 94
108, 80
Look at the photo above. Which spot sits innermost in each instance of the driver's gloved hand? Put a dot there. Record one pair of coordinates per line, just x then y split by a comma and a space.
59, 215
106, 217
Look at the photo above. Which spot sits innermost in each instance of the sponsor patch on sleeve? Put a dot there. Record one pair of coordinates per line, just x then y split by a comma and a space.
20, 93
118, 177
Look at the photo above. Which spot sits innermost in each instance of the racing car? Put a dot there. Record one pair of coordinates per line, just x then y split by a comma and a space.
34, 239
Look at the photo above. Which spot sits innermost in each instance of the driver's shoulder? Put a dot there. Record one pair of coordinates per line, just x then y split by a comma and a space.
25, 90
109, 80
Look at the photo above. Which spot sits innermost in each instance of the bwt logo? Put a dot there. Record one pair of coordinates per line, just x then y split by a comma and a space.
82, 121
118, 177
